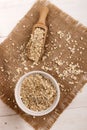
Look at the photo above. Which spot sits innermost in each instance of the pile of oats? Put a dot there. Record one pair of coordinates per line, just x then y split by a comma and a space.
36, 44
37, 92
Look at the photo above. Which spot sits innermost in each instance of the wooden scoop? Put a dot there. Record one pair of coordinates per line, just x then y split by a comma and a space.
42, 20
36, 51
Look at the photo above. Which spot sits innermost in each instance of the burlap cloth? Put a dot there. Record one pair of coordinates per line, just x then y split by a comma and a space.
65, 58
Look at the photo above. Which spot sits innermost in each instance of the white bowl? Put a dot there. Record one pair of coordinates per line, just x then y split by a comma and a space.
27, 110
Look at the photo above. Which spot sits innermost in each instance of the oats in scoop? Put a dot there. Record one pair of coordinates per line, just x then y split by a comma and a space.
35, 46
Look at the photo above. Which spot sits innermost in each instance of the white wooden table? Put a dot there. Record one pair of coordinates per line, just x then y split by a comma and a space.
75, 116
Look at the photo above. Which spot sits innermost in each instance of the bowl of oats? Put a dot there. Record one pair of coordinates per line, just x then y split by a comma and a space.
37, 93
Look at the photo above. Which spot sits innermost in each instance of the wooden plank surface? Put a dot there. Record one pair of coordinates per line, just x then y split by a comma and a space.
75, 116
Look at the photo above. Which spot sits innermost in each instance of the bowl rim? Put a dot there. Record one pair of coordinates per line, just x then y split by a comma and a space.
21, 104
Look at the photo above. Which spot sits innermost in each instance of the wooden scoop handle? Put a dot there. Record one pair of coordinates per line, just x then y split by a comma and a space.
43, 14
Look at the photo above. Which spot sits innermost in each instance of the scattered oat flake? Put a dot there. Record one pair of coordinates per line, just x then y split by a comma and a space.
50, 25
6, 60
10, 39
55, 47
35, 63
44, 58
31, 15
18, 70
13, 44
25, 68
55, 40
44, 118
8, 99
60, 45
51, 41
24, 26
81, 38
80, 52
51, 33
15, 106
32, 66
2, 69
70, 82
